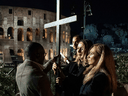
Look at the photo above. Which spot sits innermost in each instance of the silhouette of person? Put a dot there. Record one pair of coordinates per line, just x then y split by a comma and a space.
75, 41
31, 75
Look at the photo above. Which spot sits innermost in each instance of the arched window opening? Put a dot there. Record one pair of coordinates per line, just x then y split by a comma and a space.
55, 36
50, 54
66, 52
63, 35
44, 16
37, 32
12, 52
63, 51
20, 35
20, 23
46, 56
44, 33
1, 33
10, 11
66, 39
10, 33
51, 37
55, 52
20, 53
1, 57
37, 37
29, 12
7, 56
29, 34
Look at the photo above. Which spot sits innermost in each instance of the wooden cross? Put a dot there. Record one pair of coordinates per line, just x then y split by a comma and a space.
57, 23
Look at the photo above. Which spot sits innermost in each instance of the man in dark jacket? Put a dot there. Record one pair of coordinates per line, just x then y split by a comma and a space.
31, 75
75, 40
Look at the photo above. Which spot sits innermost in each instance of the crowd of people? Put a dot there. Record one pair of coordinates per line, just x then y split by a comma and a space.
90, 72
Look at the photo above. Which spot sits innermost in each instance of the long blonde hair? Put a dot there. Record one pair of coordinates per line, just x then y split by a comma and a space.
105, 64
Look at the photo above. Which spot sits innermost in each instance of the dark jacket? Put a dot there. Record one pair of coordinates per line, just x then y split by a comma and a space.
97, 86
32, 80
73, 81
73, 54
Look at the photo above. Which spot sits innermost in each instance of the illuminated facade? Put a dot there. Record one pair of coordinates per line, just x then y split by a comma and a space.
19, 26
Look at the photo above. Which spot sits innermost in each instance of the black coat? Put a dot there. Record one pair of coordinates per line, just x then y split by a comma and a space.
73, 53
97, 86
74, 79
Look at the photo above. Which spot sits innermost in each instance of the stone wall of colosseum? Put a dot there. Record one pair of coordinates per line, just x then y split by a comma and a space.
19, 26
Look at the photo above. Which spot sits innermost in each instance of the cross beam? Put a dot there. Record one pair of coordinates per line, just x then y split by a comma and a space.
57, 23
61, 22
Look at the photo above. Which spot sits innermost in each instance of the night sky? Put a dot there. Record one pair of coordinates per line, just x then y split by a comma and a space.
104, 11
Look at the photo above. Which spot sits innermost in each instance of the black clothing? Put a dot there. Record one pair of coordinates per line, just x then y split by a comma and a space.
73, 53
74, 79
98, 86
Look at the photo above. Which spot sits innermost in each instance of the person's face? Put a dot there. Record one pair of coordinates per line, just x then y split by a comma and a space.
75, 42
93, 57
81, 50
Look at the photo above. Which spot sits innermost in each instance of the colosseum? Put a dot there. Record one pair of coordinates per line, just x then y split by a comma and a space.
19, 26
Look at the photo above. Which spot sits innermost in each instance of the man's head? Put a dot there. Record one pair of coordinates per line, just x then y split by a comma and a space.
35, 52
75, 41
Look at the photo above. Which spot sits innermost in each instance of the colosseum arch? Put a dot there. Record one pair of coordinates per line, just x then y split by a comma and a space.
46, 57
20, 53
37, 32
66, 52
50, 53
7, 56
66, 38
63, 51
20, 36
44, 33
29, 34
10, 33
55, 36
51, 37
55, 52
37, 35
1, 33
20, 23
63, 35
12, 52
1, 57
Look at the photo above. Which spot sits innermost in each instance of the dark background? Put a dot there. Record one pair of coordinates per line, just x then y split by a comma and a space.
104, 11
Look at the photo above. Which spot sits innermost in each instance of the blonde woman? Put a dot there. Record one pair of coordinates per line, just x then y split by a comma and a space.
100, 76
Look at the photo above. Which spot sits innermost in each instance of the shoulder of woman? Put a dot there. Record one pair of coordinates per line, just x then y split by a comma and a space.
100, 76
